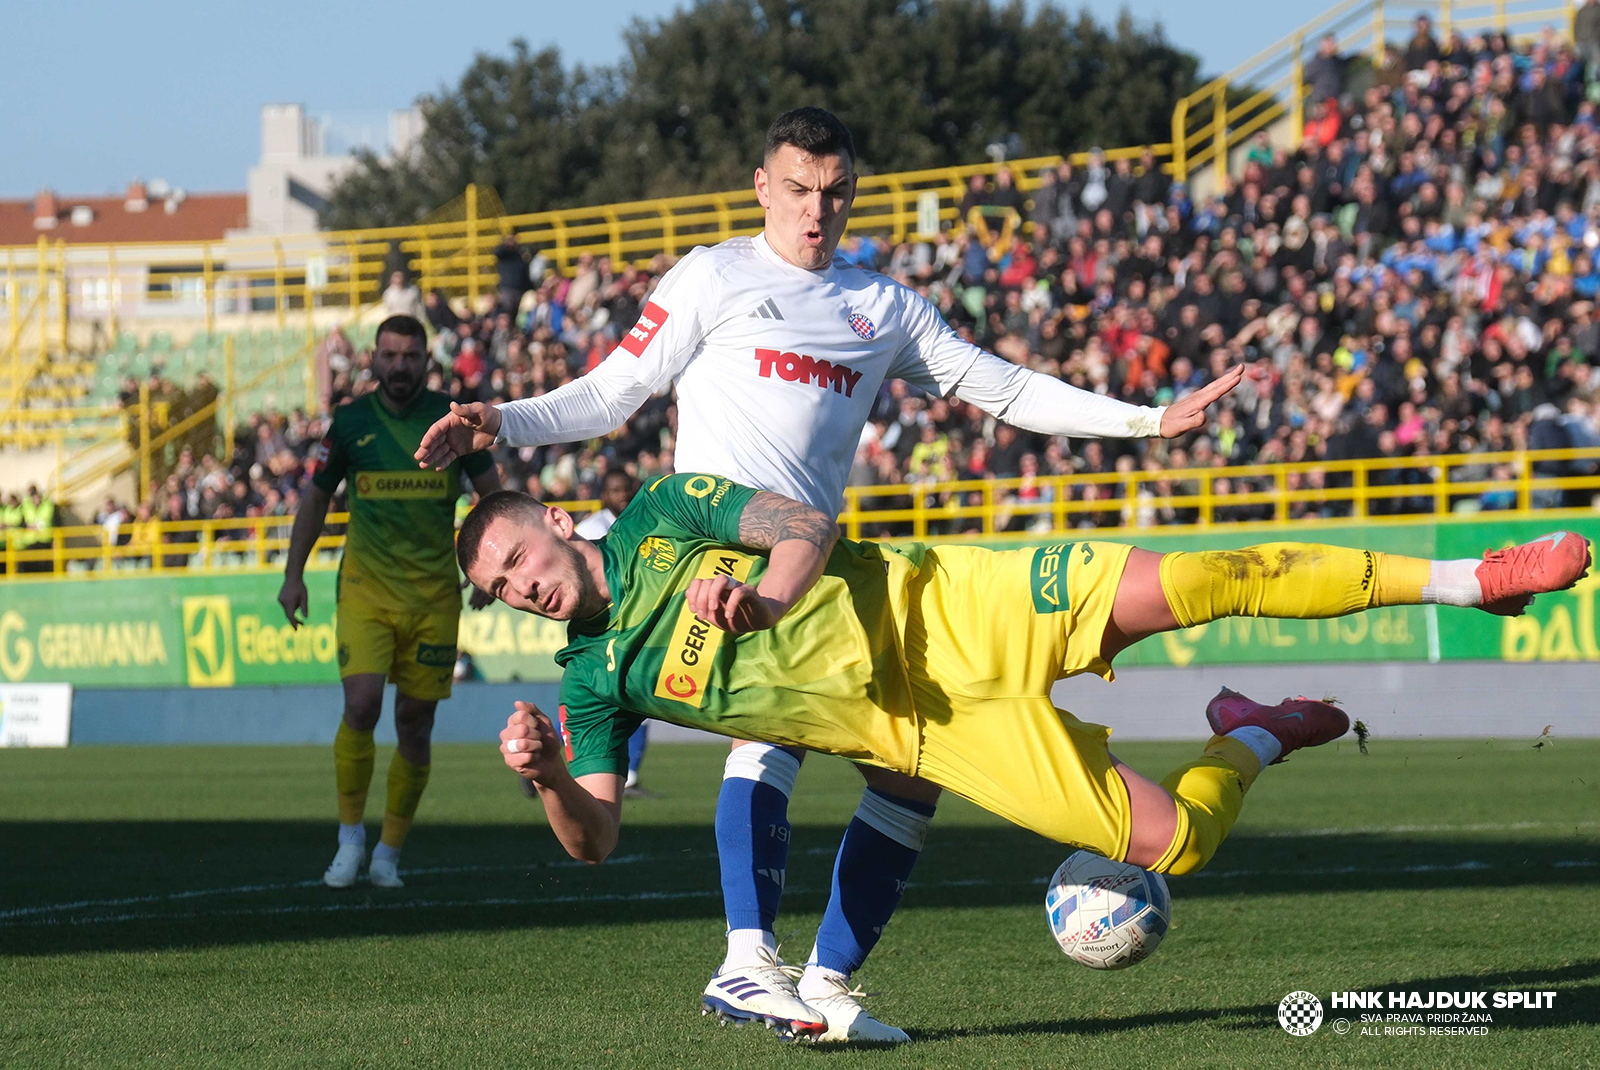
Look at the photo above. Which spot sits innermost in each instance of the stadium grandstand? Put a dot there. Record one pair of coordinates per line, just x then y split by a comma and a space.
1401, 244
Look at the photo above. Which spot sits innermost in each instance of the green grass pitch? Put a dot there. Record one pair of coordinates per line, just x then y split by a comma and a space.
160, 907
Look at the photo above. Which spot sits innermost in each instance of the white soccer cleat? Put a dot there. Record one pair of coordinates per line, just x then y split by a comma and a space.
385, 873
345, 867
763, 992
848, 1020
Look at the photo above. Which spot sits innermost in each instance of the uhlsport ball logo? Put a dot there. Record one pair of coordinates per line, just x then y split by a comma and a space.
1300, 1013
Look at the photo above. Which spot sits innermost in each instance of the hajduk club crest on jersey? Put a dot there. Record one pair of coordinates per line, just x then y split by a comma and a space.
862, 326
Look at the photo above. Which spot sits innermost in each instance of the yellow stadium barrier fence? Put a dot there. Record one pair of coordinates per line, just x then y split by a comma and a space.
250, 279
286, 278
1119, 504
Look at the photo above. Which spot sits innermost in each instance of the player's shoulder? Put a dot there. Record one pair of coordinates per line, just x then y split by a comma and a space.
714, 261
357, 412
431, 405
856, 277
733, 251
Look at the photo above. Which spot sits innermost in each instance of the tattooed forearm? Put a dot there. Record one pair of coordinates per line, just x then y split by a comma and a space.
769, 519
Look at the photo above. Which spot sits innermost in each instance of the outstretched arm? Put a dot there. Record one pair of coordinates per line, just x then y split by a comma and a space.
799, 539
594, 404
1037, 402
939, 360
646, 361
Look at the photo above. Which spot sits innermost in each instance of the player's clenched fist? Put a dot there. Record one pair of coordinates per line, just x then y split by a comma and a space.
734, 607
468, 429
531, 745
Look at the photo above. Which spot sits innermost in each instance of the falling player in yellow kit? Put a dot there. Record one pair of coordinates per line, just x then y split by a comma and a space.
718, 607
399, 592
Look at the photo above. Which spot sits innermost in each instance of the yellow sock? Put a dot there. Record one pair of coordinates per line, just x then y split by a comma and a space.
1209, 793
1299, 580
352, 772
406, 784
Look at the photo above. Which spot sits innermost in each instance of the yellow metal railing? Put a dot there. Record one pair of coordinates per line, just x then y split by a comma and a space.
288, 278
34, 294
145, 546
1173, 500
1216, 497
1212, 122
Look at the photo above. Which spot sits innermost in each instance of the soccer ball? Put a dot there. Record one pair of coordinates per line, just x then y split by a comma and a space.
1106, 914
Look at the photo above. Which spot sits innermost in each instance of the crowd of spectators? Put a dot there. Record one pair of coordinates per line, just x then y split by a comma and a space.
1417, 277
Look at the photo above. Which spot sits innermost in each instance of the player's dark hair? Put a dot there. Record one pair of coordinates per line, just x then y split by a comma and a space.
811, 130
618, 473
405, 327
510, 504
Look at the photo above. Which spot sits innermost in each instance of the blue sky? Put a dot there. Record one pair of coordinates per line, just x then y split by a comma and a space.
97, 92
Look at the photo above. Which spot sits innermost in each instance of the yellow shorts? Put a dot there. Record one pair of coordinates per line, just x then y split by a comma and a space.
416, 650
987, 634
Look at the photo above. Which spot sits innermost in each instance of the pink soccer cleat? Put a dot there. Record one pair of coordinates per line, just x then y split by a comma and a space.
1294, 722
1511, 577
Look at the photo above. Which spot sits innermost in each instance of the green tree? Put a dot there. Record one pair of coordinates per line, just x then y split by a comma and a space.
922, 83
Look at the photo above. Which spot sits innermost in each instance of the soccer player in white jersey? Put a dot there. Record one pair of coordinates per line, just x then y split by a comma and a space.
777, 351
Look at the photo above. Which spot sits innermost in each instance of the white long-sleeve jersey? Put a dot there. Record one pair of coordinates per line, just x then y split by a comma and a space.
777, 368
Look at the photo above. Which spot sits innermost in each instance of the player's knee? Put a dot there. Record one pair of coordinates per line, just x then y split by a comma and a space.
361, 713
765, 764
900, 786
363, 700
1154, 820
413, 722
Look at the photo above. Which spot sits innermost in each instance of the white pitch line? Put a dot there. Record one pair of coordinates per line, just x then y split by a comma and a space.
248, 889
663, 896
623, 860
1374, 830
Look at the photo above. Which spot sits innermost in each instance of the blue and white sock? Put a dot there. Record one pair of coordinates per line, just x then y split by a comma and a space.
636, 746
875, 860
753, 844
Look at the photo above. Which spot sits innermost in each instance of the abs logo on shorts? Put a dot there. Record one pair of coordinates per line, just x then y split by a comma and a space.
436, 655
1047, 578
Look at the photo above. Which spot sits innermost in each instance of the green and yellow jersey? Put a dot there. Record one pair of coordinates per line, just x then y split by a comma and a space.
400, 546
830, 676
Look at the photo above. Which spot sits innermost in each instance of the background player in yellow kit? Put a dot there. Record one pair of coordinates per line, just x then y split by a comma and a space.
933, 661
399, 592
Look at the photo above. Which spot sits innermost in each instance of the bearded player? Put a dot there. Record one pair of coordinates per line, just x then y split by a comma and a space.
777, 351
936, 661
399, 596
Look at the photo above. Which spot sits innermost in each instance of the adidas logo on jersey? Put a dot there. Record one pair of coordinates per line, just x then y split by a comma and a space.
798, 368
766, 310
